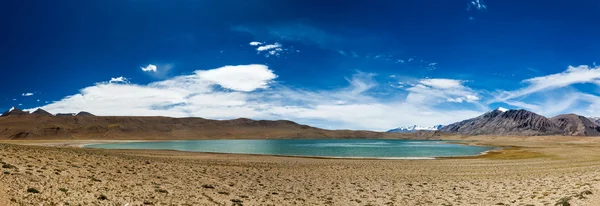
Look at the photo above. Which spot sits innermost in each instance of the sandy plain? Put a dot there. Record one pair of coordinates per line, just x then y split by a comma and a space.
529, 171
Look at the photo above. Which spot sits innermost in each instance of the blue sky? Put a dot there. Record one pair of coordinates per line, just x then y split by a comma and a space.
332, 64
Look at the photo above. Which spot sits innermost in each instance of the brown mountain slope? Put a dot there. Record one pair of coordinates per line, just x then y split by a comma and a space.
41, 112
576, 125
511, 122
100, 127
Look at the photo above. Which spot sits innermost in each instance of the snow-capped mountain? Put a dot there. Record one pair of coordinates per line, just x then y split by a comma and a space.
415, 128
502, 109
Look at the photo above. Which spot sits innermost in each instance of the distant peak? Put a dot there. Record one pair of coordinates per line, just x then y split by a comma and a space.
502, 109
11, 109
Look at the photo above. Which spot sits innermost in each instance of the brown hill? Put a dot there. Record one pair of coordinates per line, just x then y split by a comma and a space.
14, 112
576, 125
83, 113
101, 127
510, 122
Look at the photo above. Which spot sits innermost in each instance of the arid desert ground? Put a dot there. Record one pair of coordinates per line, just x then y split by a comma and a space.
532, 171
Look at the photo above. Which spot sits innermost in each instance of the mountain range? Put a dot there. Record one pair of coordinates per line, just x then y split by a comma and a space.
18, 124
40, 124
525, 123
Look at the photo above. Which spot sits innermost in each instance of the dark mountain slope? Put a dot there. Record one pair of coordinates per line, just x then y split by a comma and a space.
505, 122
576, 125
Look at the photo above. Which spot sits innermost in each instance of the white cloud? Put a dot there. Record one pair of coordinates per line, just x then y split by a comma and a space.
27, 94
149, 68
268, 47
119, 80
477, 4
275, 49
442, 83
245, 78
252, 93
433, 91
573, 75
554, 94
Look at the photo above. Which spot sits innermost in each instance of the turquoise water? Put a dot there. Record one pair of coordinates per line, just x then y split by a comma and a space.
348, 148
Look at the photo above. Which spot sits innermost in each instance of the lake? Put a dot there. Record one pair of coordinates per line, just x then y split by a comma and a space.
336, 148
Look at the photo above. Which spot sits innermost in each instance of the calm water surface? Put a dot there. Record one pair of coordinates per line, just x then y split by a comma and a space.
349, 148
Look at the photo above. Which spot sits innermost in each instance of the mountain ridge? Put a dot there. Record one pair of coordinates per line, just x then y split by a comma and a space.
524, 123
27, 127
576, 125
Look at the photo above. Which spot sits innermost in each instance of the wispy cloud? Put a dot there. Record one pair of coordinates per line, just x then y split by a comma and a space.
573, 75
477, 5
554, 93
442, 83
27, 94
434, 91
275, 49
297, 33
268, 47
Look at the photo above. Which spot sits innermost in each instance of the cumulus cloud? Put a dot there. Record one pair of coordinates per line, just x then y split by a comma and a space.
255, 43
149, 68
250, 91
241, 78
27, 94
121, 79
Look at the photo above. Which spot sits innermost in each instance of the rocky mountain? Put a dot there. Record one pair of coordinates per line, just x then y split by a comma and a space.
14, 112
576, 125
415, 128
505, 122
41, 112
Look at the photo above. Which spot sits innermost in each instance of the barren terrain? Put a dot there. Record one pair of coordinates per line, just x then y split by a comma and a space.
534, 171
